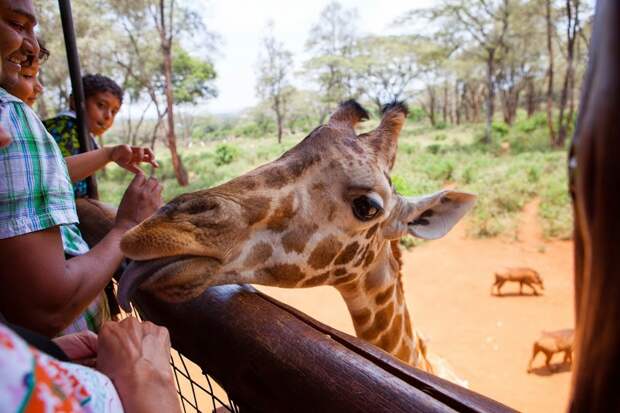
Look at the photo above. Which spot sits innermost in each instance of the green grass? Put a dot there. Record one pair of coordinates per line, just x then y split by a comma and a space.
515, 168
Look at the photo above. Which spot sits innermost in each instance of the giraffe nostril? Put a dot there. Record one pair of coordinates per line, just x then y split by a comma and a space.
420, 221
197, 206
427, 214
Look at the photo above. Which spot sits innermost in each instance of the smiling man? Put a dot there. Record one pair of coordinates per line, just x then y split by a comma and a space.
18, 41
40, 288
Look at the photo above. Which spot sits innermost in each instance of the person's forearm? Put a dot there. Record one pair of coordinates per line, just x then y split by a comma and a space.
147, 391
58, 290
92, 271
85, 164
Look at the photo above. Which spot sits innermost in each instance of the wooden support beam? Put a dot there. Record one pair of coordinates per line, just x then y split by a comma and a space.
270, 357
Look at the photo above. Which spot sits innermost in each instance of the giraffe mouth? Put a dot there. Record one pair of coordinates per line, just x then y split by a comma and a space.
137, 272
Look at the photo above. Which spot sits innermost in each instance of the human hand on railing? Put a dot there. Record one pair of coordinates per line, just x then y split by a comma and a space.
141, 199
129, 157
80, 347
136, 357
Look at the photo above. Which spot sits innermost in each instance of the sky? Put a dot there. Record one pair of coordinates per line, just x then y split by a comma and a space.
241, 24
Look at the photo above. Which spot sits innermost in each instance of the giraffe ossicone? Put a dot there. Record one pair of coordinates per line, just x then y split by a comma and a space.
324, 213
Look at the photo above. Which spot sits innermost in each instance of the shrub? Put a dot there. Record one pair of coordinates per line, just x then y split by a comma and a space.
408, 242
225, 154
500, 129
433, 148
416, 114
441, 125
536, 121
441, 170
401, 185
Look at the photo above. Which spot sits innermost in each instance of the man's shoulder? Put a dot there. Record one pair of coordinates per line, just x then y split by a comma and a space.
6, 98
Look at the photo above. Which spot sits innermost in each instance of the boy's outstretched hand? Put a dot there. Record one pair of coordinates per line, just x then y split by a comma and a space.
141, 199
129, 157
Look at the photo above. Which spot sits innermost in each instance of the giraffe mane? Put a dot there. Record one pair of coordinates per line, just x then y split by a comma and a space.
398, 256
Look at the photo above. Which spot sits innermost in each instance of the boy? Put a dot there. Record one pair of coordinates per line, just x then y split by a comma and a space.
104, 98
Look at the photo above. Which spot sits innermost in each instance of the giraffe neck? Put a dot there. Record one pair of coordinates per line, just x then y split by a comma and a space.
379, 312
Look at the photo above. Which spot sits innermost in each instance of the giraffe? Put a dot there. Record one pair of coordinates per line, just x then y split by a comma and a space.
324, 213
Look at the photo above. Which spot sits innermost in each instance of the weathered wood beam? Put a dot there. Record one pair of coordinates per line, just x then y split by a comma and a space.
270, 357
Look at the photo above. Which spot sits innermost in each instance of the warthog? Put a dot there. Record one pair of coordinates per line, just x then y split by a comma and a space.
551, 342
521, 275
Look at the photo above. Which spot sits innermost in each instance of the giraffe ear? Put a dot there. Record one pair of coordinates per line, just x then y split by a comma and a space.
348, 114
433, 216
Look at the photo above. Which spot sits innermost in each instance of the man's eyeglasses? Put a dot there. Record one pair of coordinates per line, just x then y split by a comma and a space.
41, 58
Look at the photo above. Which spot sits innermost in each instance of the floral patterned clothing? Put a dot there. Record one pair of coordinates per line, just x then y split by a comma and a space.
33, 382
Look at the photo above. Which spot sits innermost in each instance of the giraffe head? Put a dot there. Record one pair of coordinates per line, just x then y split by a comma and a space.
324, 213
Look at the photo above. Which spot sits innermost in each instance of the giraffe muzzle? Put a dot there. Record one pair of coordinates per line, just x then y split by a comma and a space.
136, 273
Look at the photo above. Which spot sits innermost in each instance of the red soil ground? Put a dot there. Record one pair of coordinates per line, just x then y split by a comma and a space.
487, 339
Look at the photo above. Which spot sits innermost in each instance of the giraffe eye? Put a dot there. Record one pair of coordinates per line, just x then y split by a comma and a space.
365, 208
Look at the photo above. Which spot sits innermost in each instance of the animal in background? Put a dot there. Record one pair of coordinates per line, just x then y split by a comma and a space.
522, 275
551, 342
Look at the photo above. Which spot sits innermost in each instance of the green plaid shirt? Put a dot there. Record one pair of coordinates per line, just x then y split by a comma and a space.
36, 191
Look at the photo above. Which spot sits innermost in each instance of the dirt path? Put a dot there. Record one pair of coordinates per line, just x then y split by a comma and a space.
487, 339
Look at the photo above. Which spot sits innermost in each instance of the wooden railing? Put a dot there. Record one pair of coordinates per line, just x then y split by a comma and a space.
270, 357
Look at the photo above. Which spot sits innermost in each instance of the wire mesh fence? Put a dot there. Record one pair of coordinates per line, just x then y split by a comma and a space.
198, 392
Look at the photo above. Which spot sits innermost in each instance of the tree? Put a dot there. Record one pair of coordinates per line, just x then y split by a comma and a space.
95, 40
432, 62
482, 22
149, 68
385, 67
162, 12
521, 57
273, 84
572, 29
115, 38
550, 73
332, 42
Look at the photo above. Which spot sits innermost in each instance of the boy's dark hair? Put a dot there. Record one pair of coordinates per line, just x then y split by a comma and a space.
97, 83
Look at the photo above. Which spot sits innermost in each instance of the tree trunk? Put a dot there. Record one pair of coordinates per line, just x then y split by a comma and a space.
478, 98
177, 164
466, 103
431, 106
458, 103
550, 75
571, 32
510, 103
445, 103
279, 122
164, 26
490, 95
530, 98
